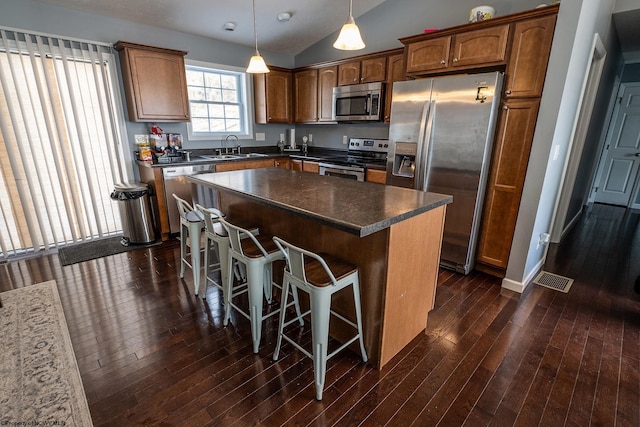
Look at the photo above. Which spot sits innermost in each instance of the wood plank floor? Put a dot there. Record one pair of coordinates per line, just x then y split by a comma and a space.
150, 353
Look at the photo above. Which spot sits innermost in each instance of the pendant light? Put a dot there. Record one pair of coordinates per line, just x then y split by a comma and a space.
257, 64
349, 37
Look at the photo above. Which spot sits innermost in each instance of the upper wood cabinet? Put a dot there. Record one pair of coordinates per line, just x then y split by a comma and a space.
428, 55
273, 96
527, 66
484, 47
463, 49
364, 71
306, 96
327, 80
395, 73
155, 83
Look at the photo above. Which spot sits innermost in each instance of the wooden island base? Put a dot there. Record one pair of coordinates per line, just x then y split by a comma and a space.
398, 269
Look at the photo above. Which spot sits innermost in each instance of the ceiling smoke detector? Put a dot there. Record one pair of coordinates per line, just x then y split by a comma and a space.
284, 16
229, 26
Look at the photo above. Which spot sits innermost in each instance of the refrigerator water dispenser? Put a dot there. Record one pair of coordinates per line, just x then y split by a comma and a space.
404, 162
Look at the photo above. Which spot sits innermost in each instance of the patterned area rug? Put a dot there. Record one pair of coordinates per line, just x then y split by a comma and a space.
39, 379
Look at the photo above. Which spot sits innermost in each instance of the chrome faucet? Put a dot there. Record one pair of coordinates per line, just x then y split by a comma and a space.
235, 147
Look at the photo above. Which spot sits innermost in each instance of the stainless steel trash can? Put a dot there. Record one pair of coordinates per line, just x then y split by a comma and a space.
135, 212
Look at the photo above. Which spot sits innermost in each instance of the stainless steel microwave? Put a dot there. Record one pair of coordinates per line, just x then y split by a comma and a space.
354, 103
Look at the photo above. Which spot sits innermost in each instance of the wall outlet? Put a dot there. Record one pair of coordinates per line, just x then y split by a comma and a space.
310, 138
260, 136
345, 140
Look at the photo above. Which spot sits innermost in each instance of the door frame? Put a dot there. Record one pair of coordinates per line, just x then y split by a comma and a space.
585, 106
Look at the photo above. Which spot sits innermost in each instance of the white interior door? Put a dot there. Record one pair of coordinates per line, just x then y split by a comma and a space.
619, 170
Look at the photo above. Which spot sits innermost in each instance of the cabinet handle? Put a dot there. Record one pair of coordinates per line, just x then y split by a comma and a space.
508, 91
505, 108
455, 59
443, 61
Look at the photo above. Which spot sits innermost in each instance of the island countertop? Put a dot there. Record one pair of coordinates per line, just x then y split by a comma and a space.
360, 208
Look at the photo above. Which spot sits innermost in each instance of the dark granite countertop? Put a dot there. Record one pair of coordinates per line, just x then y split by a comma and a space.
361, 208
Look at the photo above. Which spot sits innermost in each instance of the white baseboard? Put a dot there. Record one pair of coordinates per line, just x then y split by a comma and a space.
519, 287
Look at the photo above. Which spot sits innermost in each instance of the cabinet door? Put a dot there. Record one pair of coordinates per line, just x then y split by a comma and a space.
306, 96
313, 167
428, 55
375, 175
508, 168
349, 73
373, 70
480, 47
279, 108
273, 97
395, 73
283, 163
155, 85
296, 165
529, 57
327, 80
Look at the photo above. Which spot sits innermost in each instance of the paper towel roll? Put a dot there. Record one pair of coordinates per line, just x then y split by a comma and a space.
291, 138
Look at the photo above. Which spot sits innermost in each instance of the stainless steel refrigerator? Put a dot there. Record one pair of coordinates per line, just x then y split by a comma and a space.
440, 140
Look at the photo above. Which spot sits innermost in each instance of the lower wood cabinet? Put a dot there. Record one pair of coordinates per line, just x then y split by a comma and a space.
296, 165
504, 189
246, 164
308, 166
283, 163
376, 175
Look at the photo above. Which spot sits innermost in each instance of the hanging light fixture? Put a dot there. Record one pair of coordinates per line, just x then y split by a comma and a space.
257, 64
349, 37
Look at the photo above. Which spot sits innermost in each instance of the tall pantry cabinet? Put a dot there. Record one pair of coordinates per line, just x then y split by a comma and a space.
524, 79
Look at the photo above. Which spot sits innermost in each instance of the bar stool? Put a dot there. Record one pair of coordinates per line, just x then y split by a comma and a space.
217, 239
191, 226
320, 277
257, 253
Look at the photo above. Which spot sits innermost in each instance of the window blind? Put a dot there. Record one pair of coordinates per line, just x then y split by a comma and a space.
60, 142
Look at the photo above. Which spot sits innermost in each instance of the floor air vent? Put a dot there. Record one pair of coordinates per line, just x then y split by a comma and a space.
553, 281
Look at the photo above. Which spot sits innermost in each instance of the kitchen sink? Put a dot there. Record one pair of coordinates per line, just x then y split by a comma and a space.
227, 157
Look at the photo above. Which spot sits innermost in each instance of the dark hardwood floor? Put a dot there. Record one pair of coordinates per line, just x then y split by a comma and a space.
150, 353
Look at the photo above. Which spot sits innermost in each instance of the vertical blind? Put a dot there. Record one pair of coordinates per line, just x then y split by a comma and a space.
60, 142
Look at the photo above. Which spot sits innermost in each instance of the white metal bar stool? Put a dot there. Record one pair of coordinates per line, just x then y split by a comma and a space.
191, 226
320, 277
257, 253
217, 239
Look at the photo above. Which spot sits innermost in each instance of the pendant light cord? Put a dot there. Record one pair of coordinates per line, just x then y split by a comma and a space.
350, 8
255, 32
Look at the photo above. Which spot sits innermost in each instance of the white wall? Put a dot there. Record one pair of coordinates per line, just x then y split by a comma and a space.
570, 54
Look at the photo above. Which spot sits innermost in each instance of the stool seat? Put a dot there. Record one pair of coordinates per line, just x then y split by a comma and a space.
317, 275
320, 276
252, 250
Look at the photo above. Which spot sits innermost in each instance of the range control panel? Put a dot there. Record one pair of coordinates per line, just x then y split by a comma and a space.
365, 144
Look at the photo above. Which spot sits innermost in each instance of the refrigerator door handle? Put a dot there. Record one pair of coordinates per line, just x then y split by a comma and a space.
424, 144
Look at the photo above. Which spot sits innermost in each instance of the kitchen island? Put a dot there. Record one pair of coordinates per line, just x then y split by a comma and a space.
392, 234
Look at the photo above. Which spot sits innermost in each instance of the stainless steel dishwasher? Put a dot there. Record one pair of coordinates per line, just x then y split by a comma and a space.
175, 182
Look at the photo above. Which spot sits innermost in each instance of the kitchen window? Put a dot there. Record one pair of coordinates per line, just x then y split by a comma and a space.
218, 101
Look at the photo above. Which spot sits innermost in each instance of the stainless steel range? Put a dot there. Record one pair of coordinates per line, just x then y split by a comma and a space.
363, 153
